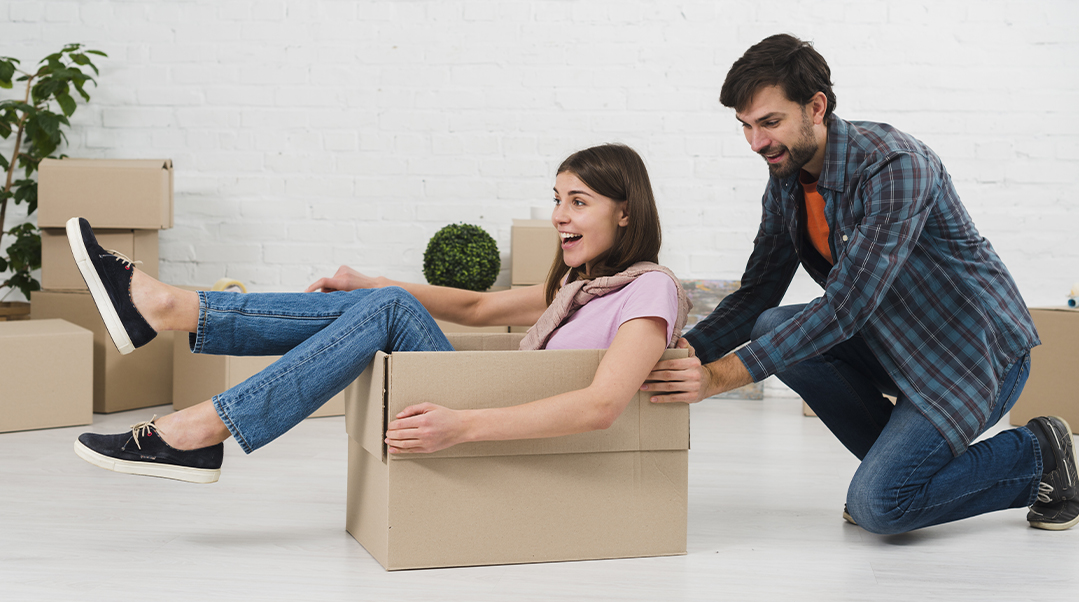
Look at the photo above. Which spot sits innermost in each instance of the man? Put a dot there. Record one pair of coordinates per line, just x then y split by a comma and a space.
916, 305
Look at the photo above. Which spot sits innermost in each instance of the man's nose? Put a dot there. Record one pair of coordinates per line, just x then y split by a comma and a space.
758, 141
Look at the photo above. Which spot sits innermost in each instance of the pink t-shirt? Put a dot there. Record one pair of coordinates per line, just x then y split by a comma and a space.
651, 295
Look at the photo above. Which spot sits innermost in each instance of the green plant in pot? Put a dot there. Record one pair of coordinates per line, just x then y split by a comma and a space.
462, 256
33, 122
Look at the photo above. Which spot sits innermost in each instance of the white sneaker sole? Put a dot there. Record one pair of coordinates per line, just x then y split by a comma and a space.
148, 469
97, 289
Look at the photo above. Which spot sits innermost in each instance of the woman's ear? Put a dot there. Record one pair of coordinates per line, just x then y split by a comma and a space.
623, 217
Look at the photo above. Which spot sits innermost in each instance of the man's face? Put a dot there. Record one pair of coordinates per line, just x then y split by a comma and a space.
780, 130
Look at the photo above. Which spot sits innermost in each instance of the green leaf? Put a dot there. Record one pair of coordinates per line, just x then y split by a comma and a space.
97, 52
3, 264
26, 192
67, 104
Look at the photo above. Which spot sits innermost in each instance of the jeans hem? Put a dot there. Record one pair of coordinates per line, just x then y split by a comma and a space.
223, 414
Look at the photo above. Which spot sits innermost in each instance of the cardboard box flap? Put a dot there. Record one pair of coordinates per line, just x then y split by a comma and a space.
486, 379
365, 403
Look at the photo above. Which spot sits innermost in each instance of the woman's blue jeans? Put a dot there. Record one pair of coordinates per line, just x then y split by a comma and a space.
908, 478
325, 339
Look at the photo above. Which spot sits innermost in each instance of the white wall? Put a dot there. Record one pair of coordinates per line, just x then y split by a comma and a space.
307, 134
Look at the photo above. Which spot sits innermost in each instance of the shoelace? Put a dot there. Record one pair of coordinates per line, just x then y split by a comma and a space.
141, 429
1045, 490
123, 258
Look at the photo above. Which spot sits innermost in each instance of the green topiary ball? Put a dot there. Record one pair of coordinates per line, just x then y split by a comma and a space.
462, 256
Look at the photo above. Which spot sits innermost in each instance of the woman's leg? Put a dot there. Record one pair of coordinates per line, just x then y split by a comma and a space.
270, 403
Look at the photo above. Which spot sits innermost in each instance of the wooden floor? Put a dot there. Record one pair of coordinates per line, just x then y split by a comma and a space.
766, 492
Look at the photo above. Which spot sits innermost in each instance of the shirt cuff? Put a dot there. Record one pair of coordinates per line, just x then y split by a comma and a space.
757, 361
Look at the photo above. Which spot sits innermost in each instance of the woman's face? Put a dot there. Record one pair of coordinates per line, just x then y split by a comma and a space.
586, 220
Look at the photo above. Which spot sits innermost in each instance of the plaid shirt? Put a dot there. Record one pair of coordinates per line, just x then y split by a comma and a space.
929, 295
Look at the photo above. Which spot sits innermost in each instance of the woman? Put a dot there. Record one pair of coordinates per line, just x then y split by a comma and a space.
604, 291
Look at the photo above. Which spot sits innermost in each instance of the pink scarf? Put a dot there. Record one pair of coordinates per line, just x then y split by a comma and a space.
574, 295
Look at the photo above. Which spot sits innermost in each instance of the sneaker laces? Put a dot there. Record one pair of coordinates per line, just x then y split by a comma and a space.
1045, 492
123, 258
148, 427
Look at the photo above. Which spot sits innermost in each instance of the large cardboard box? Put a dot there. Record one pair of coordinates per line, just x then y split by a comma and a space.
615, 493
47, 375
1050, 389
109, 193
533, 247
121, 382
58, 269
198, 377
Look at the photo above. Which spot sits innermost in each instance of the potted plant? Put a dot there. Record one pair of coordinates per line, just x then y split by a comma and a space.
462, 256
34, 122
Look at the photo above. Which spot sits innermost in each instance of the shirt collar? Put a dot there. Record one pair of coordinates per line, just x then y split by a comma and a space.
834, 173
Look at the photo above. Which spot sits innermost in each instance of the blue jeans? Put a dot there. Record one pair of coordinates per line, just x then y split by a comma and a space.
325, 339
908, 478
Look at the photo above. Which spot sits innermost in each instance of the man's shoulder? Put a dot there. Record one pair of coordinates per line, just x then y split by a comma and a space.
877, 139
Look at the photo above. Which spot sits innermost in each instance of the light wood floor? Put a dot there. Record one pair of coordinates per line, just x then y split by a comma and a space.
766, 492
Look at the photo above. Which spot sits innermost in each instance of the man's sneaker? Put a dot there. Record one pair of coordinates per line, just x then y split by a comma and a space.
108, 276
143, 452
1057, 507
847, 517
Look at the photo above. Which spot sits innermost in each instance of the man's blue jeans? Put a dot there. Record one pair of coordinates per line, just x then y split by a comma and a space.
908, 478
326, 339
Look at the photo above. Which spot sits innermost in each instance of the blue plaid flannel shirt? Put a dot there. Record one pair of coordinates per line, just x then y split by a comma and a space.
929, 295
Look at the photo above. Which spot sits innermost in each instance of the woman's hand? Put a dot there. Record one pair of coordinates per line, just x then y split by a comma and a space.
424, 428
345, 279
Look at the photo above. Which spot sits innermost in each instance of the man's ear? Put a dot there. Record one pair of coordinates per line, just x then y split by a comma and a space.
818, 107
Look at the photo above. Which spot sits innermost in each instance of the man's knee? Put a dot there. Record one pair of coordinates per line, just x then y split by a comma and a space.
877, 509
772, 318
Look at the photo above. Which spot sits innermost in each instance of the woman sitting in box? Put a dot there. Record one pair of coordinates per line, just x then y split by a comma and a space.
604, 291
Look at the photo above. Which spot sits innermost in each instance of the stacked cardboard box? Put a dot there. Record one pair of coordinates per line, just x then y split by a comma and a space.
533, 248
1050, 388
127, 202
616, 493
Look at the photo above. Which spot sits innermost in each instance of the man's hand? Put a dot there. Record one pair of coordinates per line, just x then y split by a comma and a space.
686, 380
345, 279
424, 428
677, 380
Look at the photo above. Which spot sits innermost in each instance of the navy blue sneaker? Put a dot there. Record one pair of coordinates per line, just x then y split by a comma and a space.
144, 452
108, 276
1057, 507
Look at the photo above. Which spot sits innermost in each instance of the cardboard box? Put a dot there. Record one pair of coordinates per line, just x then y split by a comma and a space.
58, 269
47, 371
198, 377
451, 328
1050, 389
109, 193
615, 493
533, 247
121, 382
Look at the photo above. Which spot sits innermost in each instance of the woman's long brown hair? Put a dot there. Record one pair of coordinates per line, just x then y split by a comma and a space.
617, 172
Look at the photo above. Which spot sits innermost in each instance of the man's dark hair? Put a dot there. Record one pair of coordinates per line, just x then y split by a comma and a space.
780, 60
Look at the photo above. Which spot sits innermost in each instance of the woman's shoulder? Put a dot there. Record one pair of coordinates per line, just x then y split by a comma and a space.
656, 286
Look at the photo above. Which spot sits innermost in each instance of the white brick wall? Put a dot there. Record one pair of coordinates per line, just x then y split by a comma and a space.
308, 133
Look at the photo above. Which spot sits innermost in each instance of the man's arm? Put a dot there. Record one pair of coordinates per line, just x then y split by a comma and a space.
687, 380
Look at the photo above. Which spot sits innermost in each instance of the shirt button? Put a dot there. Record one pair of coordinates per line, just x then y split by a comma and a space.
844, 238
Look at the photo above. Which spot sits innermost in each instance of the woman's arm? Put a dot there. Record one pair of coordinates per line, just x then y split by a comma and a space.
515, 307
637, 346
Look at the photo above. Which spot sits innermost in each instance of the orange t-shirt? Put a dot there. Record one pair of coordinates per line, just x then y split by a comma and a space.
816, 226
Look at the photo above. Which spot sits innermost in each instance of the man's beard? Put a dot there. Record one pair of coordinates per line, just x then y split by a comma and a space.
798, 155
